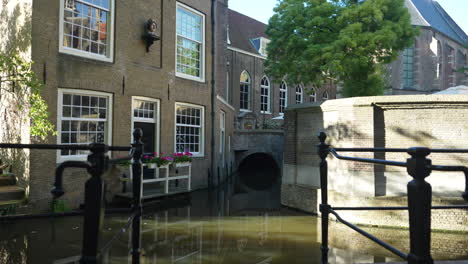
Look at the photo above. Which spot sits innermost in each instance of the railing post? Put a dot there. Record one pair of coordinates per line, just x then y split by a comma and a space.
419, 206
137, 172
94, 204
323, 151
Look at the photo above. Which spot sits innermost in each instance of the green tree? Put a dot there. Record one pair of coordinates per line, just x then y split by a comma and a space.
22, 89
344, 40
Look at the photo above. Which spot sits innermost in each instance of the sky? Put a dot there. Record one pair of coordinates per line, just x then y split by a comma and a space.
262, 10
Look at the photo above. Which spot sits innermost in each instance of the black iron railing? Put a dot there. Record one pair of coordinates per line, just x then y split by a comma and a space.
94, 208
419, 197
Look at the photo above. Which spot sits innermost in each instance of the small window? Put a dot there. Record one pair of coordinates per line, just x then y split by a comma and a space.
244, 91
283, 96
86, 28
190, 46
189, 128
265, 95
299, 94
313, 95
227, 87
83, 118
222, 136
325, 96
439, 60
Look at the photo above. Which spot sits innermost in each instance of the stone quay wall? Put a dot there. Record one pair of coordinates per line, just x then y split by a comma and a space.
434, 121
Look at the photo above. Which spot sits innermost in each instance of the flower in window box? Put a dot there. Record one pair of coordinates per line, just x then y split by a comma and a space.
182, 157
155, 161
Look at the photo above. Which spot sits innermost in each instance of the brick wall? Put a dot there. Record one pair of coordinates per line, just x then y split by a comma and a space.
433, 121
134, 72
427, 77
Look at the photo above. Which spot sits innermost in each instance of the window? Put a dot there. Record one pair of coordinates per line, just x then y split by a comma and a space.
189, 128
87, 28
439, 60
325, 96
313, 95
408, 63
190, 43
244, 91
298, 94
222, 136
451, 62
146, 117
265, 95
283, 96
227, 87
84, 117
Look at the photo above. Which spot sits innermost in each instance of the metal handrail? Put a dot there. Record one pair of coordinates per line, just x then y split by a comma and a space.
419, 196
96, 165
398, 150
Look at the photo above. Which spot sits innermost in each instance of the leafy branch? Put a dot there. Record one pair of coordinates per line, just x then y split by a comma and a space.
19, 82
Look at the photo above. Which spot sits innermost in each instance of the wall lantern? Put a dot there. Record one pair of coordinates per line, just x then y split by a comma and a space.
150, 35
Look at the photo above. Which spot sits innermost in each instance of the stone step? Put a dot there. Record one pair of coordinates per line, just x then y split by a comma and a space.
7, 180
11, 193
7, 203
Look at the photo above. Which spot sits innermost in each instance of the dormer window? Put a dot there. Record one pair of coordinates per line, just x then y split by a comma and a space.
260, 45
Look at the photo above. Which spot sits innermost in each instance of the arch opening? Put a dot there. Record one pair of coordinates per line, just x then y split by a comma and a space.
259, 171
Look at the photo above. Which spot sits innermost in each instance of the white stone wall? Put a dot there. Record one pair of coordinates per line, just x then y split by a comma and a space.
434, 121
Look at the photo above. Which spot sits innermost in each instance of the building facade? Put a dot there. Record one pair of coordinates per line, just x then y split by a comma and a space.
431, 64
102, 79
190, 73
256, 97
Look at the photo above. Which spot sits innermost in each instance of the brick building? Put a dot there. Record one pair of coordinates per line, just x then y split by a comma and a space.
102, 80
202, 80
430, 64
256, 97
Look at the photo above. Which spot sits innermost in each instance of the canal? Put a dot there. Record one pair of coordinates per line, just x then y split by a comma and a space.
226, 225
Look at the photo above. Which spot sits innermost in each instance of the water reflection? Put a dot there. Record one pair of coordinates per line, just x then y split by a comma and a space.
227, 226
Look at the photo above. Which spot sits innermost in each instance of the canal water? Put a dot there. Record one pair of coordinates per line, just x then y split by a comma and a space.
229, 225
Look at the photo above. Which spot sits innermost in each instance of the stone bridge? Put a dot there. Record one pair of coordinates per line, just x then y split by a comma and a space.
258, 156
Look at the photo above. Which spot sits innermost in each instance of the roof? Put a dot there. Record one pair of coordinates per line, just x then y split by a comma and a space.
461, 89
429, 13
242, 29
433, 14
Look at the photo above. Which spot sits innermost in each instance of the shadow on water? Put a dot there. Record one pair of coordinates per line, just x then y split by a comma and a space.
226, 225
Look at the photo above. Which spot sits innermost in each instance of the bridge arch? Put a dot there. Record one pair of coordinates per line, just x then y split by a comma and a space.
259, 171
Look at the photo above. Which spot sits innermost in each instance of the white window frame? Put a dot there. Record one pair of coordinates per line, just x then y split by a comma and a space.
325, 96
201, 153
61, 91
88, 55
313, 95
268, 88
156, 119
285, 90
301, 93
248, 93
202, 49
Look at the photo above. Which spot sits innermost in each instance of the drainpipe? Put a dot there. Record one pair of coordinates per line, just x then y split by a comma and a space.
213, 90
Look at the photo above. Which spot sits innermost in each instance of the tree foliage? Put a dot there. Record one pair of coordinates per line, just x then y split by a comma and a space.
346, 40
23, 88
